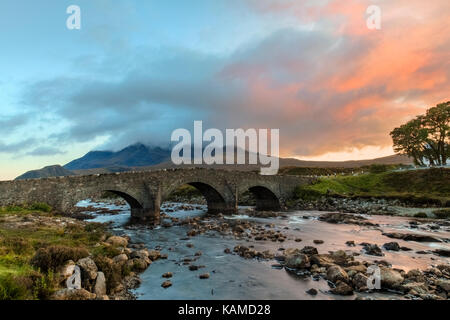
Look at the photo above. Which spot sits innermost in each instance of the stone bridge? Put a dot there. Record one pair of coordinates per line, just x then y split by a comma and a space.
145, 191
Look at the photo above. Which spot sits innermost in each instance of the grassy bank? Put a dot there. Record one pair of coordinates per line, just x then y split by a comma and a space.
33, 243
24, 210
430, 186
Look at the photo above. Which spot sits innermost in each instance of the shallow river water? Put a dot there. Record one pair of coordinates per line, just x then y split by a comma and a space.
233, 277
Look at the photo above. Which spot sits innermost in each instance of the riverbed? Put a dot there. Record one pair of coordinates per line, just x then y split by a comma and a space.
233, 277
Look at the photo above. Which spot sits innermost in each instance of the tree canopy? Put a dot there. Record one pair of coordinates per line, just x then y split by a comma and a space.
426, 138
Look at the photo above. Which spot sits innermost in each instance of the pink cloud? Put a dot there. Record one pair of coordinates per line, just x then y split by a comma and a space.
349, 86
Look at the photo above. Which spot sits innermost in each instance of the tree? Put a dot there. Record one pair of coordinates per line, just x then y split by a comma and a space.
427, 137
437, 121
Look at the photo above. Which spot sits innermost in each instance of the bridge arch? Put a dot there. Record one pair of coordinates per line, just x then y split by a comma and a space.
132, 202
134, 197
266, 198
218, 200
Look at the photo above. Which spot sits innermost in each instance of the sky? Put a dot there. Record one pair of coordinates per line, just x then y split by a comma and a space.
137, 70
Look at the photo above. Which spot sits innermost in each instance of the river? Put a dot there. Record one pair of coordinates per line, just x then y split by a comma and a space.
233, 277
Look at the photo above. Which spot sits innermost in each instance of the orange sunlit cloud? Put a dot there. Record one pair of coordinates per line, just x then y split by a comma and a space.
367, 81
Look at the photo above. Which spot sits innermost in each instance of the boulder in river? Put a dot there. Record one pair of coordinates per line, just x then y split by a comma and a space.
140, 254
297, 261
335, 273
444, 284
411, 237
309, 250
342, 289
336, 217
415, 275
154, 255
442, 252
414, 288
322, 260
360, 281
390, 278
138, 264
312, 292
372, 249
392, 246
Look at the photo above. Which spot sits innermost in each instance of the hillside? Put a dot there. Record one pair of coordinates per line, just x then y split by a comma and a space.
389, 160
291, 162
50, 171
421, 186
136, 155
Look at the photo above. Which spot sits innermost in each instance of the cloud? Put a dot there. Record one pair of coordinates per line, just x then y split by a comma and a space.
330, 88
45, 151
16, 147
9, 124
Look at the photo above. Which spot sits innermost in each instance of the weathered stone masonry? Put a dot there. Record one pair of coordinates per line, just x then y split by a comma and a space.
144, 191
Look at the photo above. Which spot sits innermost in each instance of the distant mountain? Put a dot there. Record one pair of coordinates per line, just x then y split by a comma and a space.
137, 155
389, 160
51, 171
292, 162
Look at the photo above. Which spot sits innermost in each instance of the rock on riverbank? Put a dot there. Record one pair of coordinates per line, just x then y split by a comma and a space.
345, 275
104, 278
365, 206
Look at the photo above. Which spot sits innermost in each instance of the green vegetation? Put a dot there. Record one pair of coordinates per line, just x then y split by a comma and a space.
427, 137
26, 209
416, 186
50, 258
34, 244
380, 168
113, 272
186, 192
40, 207
109, 195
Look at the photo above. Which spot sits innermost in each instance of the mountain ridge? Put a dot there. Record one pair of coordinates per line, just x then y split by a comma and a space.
46, 172
135, 155
139, 157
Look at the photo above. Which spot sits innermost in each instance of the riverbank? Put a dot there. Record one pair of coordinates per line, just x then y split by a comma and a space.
40, 251
413, 188
291, 255
371, 206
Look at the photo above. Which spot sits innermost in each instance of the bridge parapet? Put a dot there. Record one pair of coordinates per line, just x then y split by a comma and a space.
145, 191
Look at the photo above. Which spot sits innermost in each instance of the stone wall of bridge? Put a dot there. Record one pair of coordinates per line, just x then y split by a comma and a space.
145, 191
